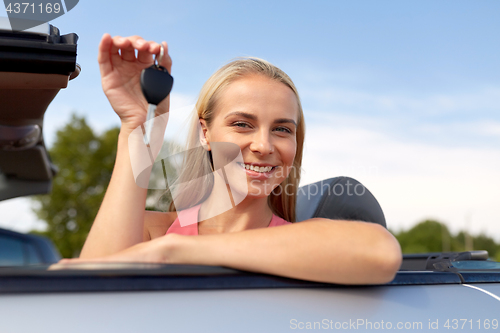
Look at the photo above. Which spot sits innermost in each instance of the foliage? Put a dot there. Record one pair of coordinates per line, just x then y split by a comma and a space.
85, 162
433, 236
424, 237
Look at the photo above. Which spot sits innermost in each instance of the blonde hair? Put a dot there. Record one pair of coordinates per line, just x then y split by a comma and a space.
282, 204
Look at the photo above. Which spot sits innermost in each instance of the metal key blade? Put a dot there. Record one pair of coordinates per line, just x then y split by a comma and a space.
156, 84
149, 123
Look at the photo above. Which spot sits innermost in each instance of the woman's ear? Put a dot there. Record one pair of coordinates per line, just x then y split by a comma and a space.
204, 137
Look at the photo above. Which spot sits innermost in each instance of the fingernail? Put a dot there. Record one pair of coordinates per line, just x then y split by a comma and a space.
141, 42
120, 39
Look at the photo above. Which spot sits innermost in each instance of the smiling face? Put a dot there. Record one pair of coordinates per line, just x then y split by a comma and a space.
258, 114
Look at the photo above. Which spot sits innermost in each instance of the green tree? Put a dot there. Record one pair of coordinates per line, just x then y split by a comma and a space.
427, 236
85, 162
479, 242
433, 236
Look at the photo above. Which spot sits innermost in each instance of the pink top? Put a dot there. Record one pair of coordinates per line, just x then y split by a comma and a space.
192, 229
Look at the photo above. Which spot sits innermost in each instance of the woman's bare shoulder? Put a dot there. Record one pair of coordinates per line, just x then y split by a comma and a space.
156, 224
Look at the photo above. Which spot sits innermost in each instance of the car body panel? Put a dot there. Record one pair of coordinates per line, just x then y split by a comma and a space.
257, 310
191, 298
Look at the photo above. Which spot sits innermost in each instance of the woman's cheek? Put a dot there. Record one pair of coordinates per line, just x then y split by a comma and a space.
282, 172
290, 153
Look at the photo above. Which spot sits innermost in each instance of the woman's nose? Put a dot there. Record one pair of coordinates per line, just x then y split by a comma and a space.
262, 143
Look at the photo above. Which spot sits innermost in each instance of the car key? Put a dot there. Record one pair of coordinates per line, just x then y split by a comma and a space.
156, 84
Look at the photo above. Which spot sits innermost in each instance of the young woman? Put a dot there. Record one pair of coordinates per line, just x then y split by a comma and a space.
254, 106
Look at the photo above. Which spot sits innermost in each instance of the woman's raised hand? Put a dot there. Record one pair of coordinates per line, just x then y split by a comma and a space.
120, 75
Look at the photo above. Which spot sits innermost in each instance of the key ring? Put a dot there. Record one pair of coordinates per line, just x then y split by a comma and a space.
162, 54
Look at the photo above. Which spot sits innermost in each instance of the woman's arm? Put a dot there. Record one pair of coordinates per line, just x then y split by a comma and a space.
119, 223
323, 250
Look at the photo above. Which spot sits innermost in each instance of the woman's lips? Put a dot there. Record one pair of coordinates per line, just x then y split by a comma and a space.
256, 174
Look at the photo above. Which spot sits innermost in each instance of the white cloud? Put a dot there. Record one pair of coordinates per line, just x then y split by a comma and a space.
181, 109
17, 215
491, 128
481, 129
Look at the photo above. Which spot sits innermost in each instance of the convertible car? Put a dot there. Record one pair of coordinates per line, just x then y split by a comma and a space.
431, 292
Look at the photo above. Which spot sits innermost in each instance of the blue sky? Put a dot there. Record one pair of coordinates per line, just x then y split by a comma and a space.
402, 95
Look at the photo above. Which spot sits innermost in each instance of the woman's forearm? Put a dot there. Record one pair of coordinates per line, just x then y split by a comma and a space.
120, 220
322, 250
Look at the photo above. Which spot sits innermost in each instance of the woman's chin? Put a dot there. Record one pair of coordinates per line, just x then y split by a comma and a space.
261, 189
257, 195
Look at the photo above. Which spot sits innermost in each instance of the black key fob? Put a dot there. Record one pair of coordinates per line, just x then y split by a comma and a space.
156, 84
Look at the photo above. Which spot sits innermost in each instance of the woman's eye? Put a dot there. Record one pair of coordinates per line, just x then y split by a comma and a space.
241, 124
283, 129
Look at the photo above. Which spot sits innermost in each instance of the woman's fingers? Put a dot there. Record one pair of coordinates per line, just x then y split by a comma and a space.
146, 51
155, 49
126, 49
62, 264
113, 50
78, 264
109, 55
103, 56
166, 61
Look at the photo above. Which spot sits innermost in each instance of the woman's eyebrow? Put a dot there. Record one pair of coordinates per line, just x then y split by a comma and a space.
253, 117
243, 114
285, 121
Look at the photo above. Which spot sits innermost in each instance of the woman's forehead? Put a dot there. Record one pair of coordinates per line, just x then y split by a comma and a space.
260, 96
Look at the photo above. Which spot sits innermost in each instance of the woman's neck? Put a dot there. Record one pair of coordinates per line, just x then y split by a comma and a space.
219, 215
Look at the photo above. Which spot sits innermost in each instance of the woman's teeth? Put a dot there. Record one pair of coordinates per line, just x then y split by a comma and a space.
257, 168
